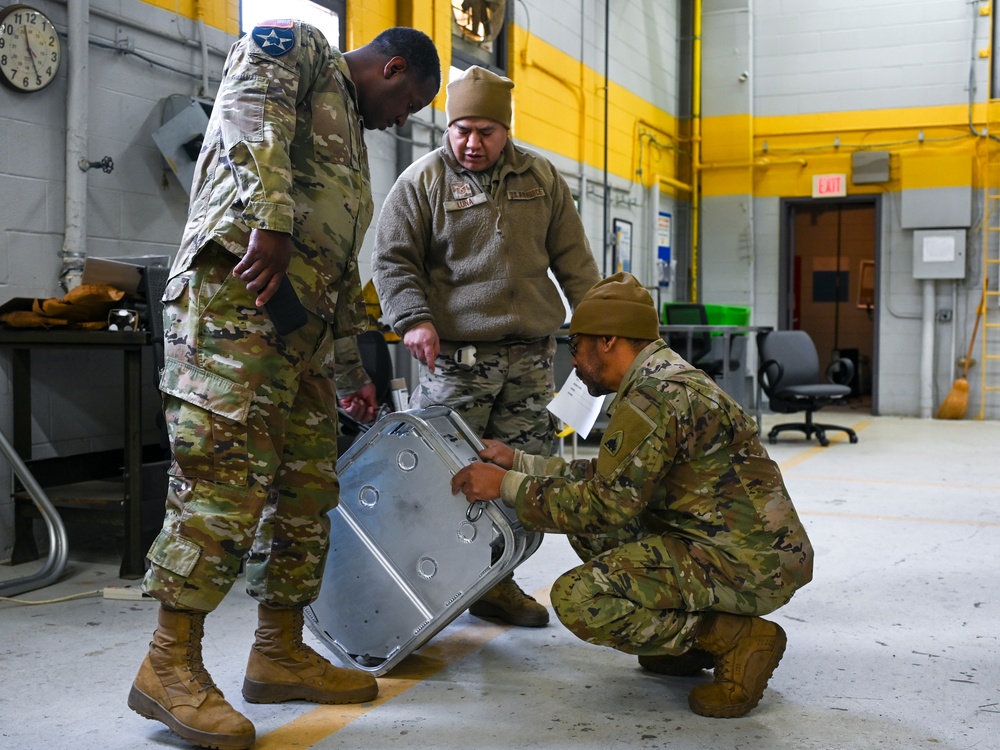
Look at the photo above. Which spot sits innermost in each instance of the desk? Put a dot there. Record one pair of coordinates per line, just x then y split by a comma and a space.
130, 343
727, 347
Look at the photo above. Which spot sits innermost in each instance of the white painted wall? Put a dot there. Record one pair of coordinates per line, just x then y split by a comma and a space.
843, 55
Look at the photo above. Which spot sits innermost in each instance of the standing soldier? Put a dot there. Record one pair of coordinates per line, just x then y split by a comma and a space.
464, 246
282, 191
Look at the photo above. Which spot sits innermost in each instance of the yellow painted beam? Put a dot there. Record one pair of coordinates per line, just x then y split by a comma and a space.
219, 14
935, 143
559, 107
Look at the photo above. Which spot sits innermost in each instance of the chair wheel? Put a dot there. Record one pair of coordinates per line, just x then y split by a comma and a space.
823, 440
854, 438
772, 439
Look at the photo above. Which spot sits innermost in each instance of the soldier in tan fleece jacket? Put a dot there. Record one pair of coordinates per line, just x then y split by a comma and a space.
463, 249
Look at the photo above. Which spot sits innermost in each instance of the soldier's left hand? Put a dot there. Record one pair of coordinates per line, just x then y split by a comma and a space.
479, 481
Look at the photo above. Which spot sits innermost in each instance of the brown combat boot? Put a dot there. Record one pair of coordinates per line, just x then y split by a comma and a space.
506, 601
174, 688
689, 664
747, 651
282, 668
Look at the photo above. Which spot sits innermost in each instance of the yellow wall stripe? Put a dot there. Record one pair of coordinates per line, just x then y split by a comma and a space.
559, 108
224, 14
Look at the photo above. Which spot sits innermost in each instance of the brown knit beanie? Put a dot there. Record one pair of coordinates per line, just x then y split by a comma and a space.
479, 93
617, 306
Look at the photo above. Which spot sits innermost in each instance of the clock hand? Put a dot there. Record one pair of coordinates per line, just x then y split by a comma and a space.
31, 54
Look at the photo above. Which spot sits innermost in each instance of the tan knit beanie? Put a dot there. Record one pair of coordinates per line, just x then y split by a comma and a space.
479, 93
617, 306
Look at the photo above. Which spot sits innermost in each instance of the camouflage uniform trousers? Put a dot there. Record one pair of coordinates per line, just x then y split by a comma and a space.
502, 396
252, 422
645, 593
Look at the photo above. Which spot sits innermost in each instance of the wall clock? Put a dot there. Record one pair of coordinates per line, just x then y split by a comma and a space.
30, 51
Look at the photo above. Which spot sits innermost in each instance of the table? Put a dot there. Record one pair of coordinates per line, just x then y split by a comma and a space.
130, 343
727, 333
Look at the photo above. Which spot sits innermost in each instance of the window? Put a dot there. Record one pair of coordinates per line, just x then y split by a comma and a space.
326, 15
479, 33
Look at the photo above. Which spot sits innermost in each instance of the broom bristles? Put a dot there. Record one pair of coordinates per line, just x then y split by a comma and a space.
957, 402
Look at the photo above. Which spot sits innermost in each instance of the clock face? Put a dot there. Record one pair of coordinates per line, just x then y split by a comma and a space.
29, 49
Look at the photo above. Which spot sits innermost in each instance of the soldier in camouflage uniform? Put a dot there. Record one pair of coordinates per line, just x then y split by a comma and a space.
463, 249
684, 524
281, 191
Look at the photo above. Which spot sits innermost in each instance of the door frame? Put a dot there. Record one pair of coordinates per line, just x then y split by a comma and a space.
786, 259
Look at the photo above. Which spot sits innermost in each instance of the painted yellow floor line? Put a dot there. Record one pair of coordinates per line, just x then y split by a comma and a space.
322, 721
862, 516
817, 449
900, 482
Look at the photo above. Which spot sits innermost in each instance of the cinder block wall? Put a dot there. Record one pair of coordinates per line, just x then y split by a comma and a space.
140, 208
826, 79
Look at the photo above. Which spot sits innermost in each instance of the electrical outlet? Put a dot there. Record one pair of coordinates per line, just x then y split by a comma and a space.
125, 593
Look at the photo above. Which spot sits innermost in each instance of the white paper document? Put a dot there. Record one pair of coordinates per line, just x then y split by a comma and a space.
575, 406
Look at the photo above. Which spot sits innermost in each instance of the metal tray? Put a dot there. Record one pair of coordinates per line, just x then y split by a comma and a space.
406, 556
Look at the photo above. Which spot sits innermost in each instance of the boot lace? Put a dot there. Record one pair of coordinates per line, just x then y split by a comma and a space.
196, 665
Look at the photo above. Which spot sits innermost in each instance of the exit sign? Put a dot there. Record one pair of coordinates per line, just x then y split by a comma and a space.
829, 185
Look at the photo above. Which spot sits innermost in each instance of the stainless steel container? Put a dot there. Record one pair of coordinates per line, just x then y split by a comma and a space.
406, 556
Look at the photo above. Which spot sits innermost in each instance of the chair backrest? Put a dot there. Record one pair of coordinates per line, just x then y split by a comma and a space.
377, 361
688, 314
795, 352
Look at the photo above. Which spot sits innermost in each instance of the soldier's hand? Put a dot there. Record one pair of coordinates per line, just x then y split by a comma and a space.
497, 453
361, 405
266, 261
478, 482
423, 342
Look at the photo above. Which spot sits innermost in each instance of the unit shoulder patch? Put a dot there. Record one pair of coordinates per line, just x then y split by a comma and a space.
628, 429
613, 443
275, 38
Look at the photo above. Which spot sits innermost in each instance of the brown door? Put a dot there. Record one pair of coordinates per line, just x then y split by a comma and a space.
831, 289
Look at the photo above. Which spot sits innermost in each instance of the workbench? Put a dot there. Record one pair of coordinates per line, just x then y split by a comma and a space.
102, 486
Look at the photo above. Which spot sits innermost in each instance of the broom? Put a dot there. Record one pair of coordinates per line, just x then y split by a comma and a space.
957, 402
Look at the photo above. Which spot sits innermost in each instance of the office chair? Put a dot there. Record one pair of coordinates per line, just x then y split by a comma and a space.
789, 375
377, 361
694, 346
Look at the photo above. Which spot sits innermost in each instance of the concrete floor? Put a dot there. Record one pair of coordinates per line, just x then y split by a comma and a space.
893, 646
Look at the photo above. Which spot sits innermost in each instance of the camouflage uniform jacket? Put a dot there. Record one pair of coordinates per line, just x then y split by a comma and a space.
284, 150
679, 458
448, 252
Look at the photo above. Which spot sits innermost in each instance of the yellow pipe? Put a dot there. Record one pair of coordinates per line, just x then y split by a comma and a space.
577, 92
762, 162
673, 183
695, 144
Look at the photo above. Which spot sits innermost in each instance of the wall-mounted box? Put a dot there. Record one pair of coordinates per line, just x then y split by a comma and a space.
180, 137
868, 167
939, 254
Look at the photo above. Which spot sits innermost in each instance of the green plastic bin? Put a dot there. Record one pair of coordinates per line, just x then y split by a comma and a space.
719, 315
728, 315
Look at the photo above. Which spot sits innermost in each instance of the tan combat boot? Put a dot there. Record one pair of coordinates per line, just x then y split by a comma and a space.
506, 601
174, 688
747, 651
282, 668
689, 664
